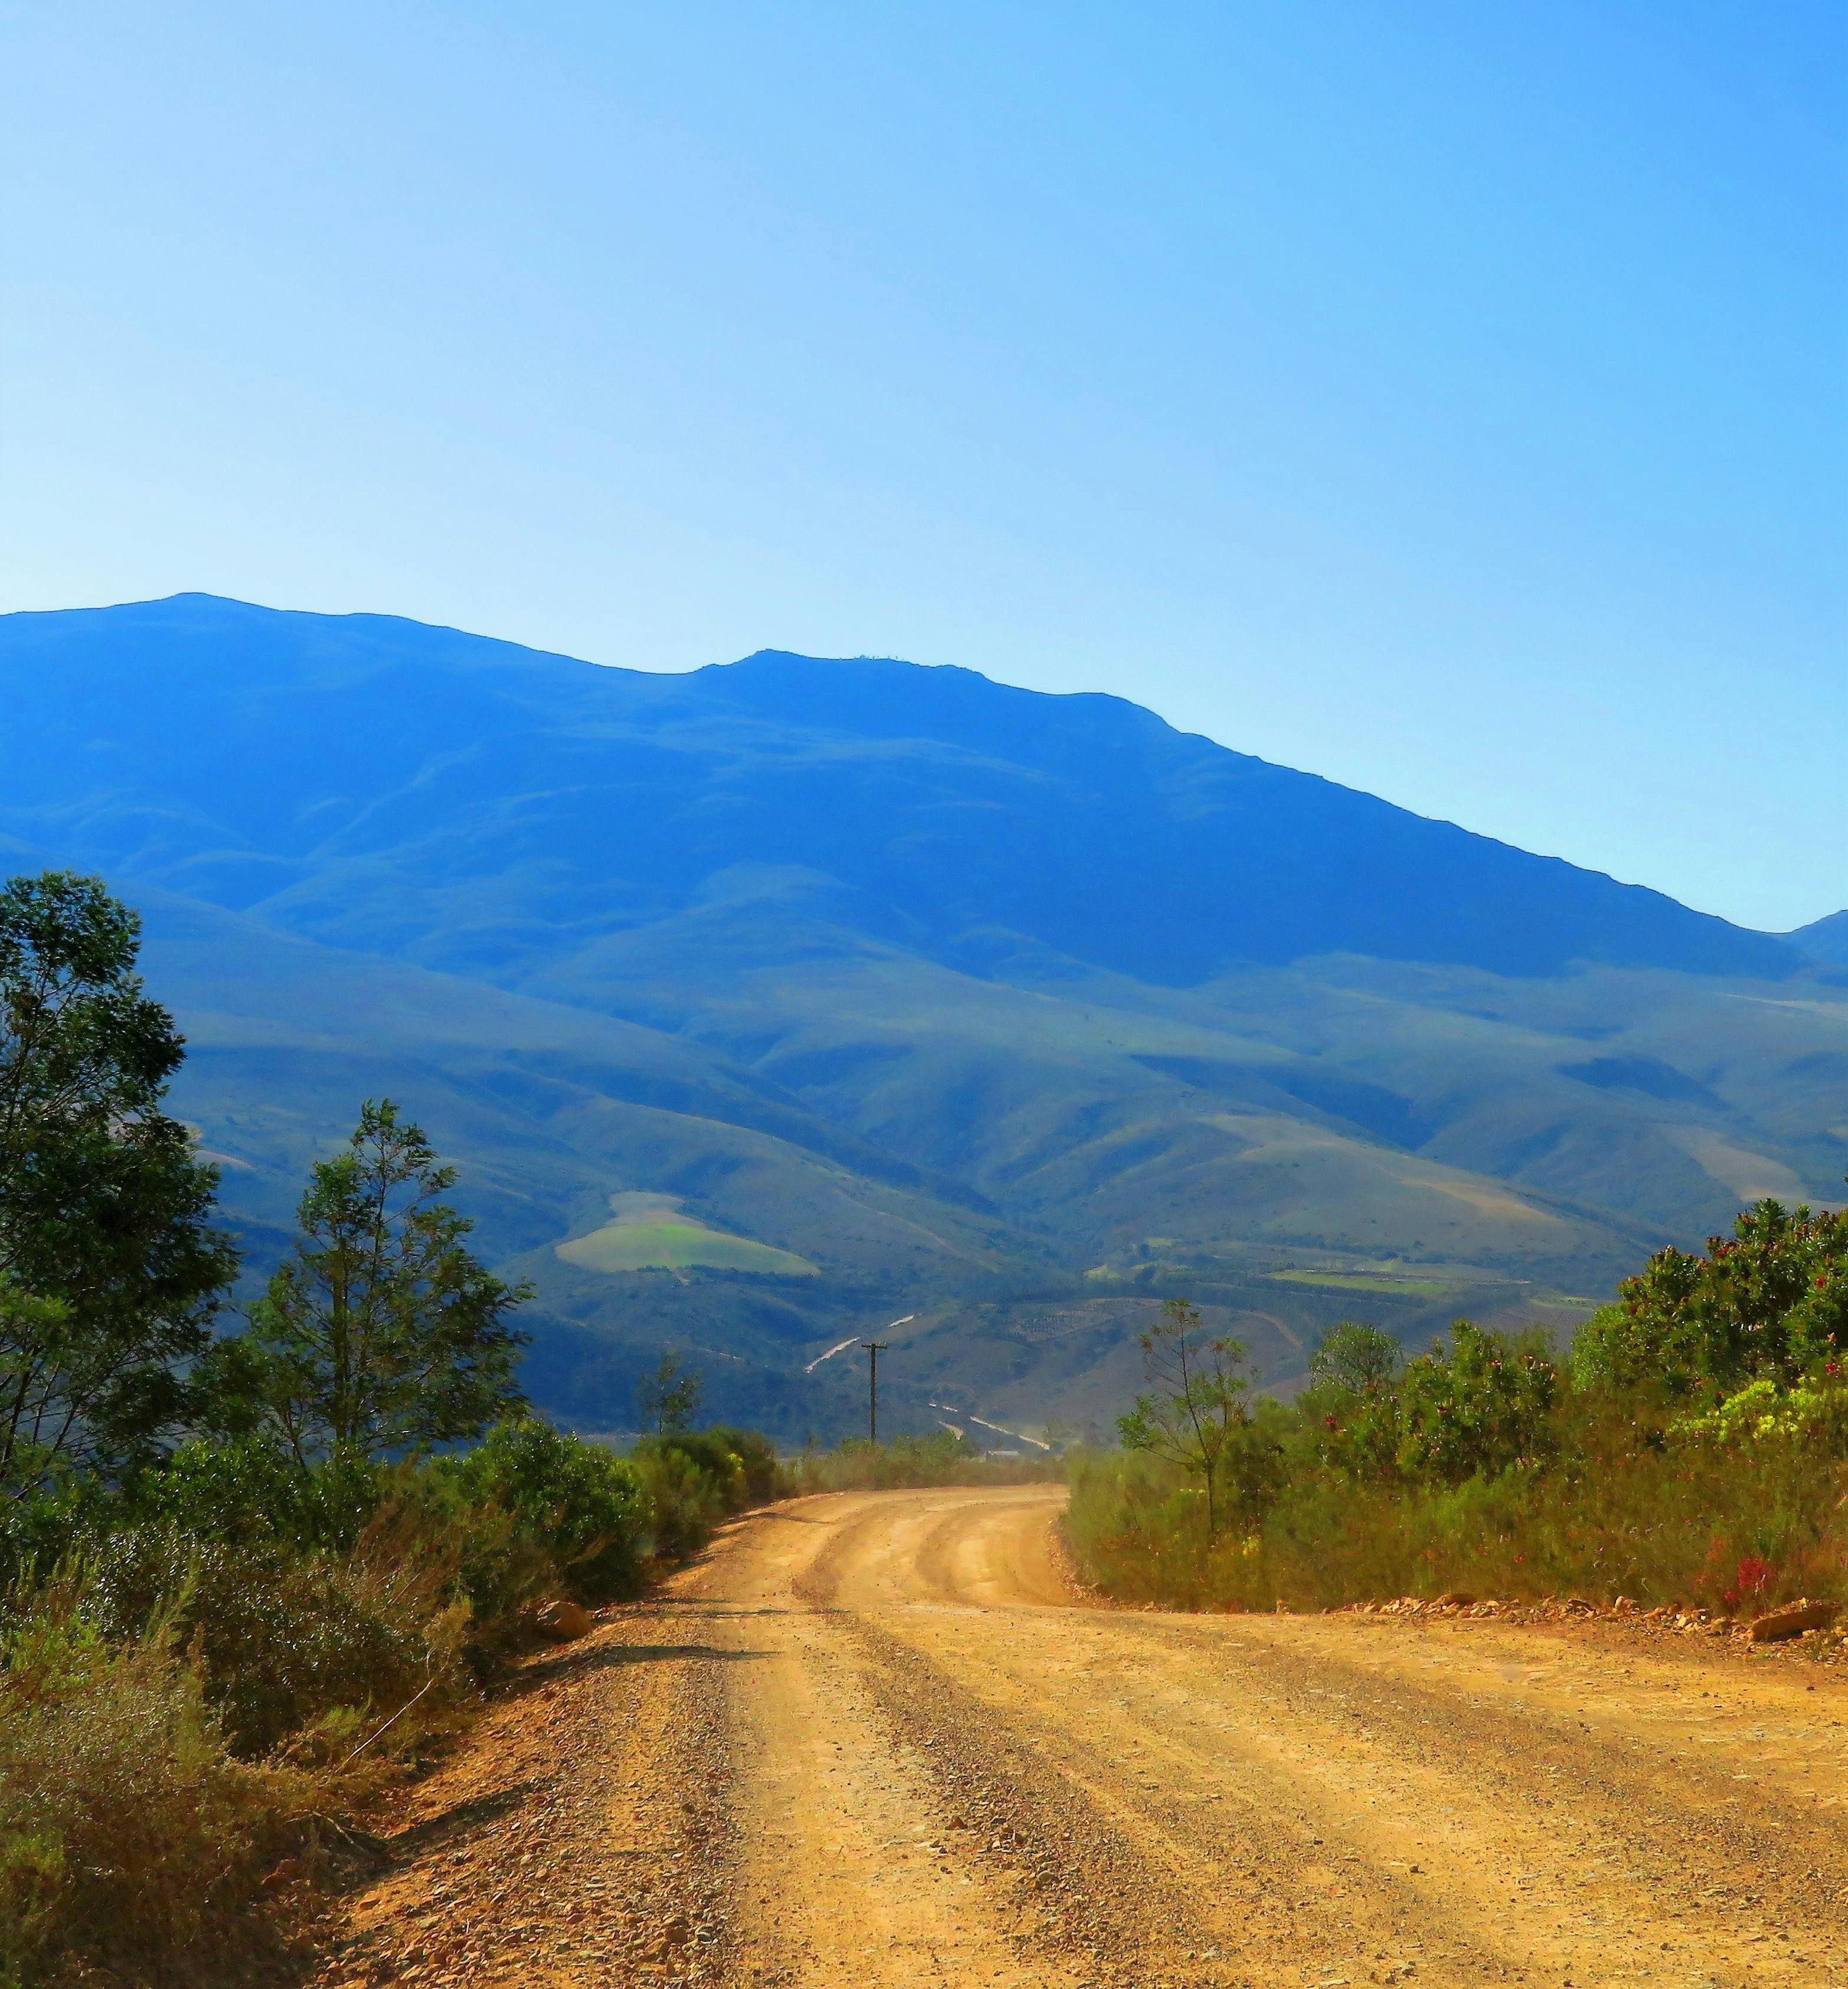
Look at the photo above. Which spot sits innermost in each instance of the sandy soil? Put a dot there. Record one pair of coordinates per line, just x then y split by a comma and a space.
877, 1742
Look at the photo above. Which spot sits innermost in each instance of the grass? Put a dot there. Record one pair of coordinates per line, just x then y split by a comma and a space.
1731, 1530
1358, 1281
940, 1459
675, 1243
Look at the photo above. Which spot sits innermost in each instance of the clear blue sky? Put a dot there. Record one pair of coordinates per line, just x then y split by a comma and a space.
1447, 398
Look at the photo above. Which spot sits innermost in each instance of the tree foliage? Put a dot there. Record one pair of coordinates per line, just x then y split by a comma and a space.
1477, 1408
669, 1395
1195, 1415
1770, 1302
583, 1504
381, 1334
110, 1272
1350, 1407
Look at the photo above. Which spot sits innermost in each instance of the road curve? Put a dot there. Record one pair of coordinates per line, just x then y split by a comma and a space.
874, 1739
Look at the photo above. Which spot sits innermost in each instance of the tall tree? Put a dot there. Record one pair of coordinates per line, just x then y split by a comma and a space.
381, 1333
1197, 1418
669, 1395
109, 1272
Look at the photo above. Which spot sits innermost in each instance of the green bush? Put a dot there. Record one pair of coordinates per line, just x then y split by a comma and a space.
248, 1490
1481, 1406
1771, 1302
281, 1641
686, 1501
583, 1505
763, 1476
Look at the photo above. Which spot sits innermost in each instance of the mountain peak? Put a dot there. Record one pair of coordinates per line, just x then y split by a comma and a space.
199, 738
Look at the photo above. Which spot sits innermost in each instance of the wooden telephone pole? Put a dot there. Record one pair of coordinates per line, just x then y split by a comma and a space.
875, 1348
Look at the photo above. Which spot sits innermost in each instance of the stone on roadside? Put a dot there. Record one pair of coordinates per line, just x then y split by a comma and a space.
563, 1620
1776, 1624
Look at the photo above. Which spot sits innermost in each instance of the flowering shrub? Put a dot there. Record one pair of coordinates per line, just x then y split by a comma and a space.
1771, 1300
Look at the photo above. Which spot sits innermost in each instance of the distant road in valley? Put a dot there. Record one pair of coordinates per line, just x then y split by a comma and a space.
878, 1740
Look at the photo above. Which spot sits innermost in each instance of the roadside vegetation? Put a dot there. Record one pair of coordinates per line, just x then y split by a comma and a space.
939, 1458
253, 1571
1690, 1448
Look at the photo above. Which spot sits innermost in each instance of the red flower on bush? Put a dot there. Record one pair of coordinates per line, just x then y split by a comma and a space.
1753, 1577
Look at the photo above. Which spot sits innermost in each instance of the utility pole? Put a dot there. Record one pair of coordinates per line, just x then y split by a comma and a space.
875, 1348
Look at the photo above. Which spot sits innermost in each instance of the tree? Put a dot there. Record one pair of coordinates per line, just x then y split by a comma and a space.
1769, 1302
1478, 1408
109, 1274
1357, 1360
1350, 1407
669, 1396
381, 1334
1198, 1418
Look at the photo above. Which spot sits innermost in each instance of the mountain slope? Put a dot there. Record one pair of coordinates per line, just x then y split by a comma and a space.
868, 990
1826, 939
471, 804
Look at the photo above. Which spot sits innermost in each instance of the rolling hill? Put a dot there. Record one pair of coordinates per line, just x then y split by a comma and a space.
763, 1004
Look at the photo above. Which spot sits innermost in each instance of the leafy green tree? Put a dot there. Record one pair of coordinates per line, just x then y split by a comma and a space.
1357, 1360
1477, 1408
1195, 1416
381, 1334
109, 1274
669, 1396
1770, 1302
1350, 1407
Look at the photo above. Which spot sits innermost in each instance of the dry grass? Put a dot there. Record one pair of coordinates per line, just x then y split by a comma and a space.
938, 1459
1726, 1529
131, 1837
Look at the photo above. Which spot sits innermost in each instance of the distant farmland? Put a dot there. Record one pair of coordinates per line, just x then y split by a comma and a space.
651, 1234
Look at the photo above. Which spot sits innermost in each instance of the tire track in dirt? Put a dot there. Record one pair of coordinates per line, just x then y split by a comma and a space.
871, 1744
1696, 1831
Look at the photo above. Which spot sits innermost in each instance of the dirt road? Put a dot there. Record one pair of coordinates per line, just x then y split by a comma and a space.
871, 1741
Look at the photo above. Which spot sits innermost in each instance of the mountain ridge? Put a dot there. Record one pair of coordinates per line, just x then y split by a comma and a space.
1012, 1011
1322, 868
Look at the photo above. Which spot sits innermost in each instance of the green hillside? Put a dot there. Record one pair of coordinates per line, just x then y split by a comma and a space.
762, 1007
650, 1233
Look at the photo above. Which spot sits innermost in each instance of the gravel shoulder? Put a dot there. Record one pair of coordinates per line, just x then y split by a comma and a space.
879, 1739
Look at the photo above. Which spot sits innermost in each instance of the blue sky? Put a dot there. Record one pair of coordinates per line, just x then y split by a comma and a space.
1449, 399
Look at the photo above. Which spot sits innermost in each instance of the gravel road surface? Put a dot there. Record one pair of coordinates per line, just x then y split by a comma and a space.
877, 1741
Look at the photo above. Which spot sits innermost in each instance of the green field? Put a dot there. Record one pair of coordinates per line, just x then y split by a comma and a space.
677, 1245
1358, 1281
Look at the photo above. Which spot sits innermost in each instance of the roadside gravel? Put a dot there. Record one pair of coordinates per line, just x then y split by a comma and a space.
871, 1742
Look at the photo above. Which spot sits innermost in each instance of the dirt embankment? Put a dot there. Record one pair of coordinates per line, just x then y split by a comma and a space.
871, 1741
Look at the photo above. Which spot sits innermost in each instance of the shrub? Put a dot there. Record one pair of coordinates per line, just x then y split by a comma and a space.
130, 1835
1772, 1301
1478, 1408
281, 1641
686, 1501
583, 1505
764, 1477
248, 1490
